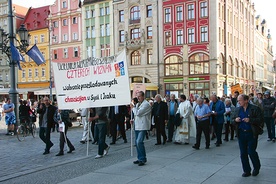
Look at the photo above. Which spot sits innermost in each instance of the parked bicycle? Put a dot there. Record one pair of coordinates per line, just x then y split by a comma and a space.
25, 129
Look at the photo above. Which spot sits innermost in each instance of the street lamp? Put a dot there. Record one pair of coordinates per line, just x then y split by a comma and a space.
6, 39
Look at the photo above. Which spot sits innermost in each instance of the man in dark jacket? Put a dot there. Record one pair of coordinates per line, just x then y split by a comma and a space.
247, 119
269, 106
46, 122
160, 113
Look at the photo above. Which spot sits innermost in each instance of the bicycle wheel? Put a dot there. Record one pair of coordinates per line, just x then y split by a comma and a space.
21, 133
33, 130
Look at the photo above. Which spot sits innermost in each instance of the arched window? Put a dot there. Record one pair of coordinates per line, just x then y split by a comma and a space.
135, 13
230, 66
199, 64
135, 58
237, 68
173, 65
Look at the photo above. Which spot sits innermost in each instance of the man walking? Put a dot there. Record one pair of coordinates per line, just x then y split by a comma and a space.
10, 116
247, 119
269, 104
46, 122
142, 122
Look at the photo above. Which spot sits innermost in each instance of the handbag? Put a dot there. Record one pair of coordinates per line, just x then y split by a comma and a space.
177, 120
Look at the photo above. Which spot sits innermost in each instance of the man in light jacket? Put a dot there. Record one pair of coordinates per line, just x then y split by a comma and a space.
142, 122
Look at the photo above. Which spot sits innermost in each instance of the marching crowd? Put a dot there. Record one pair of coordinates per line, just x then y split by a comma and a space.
169, 119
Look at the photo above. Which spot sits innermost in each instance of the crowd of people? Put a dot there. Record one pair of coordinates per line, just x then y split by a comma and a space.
169, 119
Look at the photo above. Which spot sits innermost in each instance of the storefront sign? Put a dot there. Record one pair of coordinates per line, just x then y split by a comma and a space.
199, 78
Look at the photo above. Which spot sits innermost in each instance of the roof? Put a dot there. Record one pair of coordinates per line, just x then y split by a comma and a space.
36, 18
20, 10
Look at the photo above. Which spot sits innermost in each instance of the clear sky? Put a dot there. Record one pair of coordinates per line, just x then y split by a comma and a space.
265, 8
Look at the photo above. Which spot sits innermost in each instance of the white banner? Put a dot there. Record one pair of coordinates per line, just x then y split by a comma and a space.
94, 82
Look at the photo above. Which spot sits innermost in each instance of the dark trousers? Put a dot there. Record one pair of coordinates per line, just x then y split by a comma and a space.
62, 136
160, 129
203, 126
93, 129
45, 136
113, 126
248, 146
100, 135
171, 127
269, 121
218, 130
229, 126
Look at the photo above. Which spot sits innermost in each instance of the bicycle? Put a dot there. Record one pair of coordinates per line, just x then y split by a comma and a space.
24, 130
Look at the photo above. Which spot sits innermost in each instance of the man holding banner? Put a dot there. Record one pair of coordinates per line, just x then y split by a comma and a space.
142, 122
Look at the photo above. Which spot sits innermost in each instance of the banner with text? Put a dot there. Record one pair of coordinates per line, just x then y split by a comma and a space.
93, 82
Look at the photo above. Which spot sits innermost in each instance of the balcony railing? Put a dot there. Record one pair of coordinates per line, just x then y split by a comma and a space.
135, 21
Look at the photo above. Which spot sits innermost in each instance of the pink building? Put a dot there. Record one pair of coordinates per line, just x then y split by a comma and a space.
65, 25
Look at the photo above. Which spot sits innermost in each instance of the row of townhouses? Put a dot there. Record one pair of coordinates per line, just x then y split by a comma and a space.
181, 46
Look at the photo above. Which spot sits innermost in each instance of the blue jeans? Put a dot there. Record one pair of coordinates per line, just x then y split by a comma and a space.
100, 135
269, 121
248, 146
141, 151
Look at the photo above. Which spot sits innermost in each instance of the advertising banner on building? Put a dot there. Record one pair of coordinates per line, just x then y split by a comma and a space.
93, 82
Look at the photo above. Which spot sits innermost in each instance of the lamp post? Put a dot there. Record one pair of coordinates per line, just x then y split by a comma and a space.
5, 41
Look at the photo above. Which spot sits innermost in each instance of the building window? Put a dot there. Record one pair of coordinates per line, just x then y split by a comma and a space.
93, 31
102, 12
23, 74
200, 88
204, 34
179, 13
107, 29
64, 22
168, 38
149, 10
7, 78
88, 14
93, 14
30, 73
191, 35
102, 51
199, 64
135, 33
102, 27
121, 16
65, 53
107, 50
107, 11
174, 87
203, 9
55, 54
191, 11
88, 32
173, 65
149, 32
135, 13
35, 39
55, 24
167, 15
43, 72
74, 20
179, 34
122, 36
75, 36
149, 56
76, 52
36, 72
64, 4
42, 38
88, 49
93, 51
65, 37
135, 58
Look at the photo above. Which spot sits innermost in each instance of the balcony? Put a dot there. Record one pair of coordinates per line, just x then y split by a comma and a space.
134, 21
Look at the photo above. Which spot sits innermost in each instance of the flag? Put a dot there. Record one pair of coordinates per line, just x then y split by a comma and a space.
16, 56
36, 55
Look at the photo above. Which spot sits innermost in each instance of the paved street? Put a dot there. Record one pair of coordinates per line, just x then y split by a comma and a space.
23, 162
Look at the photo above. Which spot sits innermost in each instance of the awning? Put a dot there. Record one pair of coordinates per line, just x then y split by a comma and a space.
5, 91
269, 88
45, 91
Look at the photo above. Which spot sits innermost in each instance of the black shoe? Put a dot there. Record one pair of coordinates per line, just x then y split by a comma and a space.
169, 140
125, 141
83, 142
195, 147
71, 150
255, 172
164, 142
176, 142
141, 163
207, 147
246, 174
112, 143
46, 152
94, 142
186, 143
52, 145
217, 144
60, 154
158, 144
136, 162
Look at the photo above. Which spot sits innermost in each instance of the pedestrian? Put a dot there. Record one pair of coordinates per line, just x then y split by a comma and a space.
269, 104
86, 125
160, 115
10, 118
63, 116
172, 108
229, 127
202, 114
142, 122
46, 123
247, 119
101, 118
